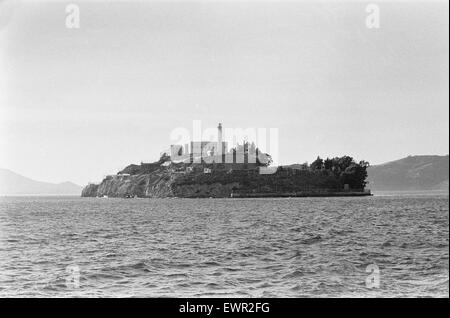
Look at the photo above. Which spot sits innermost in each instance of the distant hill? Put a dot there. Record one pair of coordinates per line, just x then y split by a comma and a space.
411, 173
12, 183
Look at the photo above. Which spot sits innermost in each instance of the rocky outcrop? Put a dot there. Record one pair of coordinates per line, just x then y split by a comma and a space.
158, 184
90, 190
120, 186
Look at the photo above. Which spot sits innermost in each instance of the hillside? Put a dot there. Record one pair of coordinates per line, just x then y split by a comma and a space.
411, 173
12, 183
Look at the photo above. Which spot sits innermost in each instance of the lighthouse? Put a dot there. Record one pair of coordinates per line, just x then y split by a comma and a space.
221, 145
219, 134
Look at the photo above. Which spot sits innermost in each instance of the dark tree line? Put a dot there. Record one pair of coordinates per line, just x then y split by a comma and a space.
345, 168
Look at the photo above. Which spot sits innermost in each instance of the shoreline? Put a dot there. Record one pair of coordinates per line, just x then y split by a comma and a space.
302, 194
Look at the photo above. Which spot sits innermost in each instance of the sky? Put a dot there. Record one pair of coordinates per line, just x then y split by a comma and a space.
79, 103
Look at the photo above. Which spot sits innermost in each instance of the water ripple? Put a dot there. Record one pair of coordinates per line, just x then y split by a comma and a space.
302, 247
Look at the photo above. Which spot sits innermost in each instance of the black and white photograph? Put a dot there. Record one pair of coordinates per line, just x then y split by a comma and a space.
243, 151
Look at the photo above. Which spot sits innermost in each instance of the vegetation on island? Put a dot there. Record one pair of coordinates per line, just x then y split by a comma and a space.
322, 175
345, 169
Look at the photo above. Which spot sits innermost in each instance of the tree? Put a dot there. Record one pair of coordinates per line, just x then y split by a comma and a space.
355, 175
344, 162
328, 164
317, 164
164, 157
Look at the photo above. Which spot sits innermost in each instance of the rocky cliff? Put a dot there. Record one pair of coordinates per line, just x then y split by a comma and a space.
161, 183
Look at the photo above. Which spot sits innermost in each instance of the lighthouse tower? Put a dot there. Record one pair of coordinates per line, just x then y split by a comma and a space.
221, 145
219, 134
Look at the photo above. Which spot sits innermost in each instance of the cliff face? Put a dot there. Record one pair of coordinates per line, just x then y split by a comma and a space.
90, 190
143, 185
159, 184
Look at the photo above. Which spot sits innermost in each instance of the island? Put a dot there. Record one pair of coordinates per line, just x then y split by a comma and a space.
210, 170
